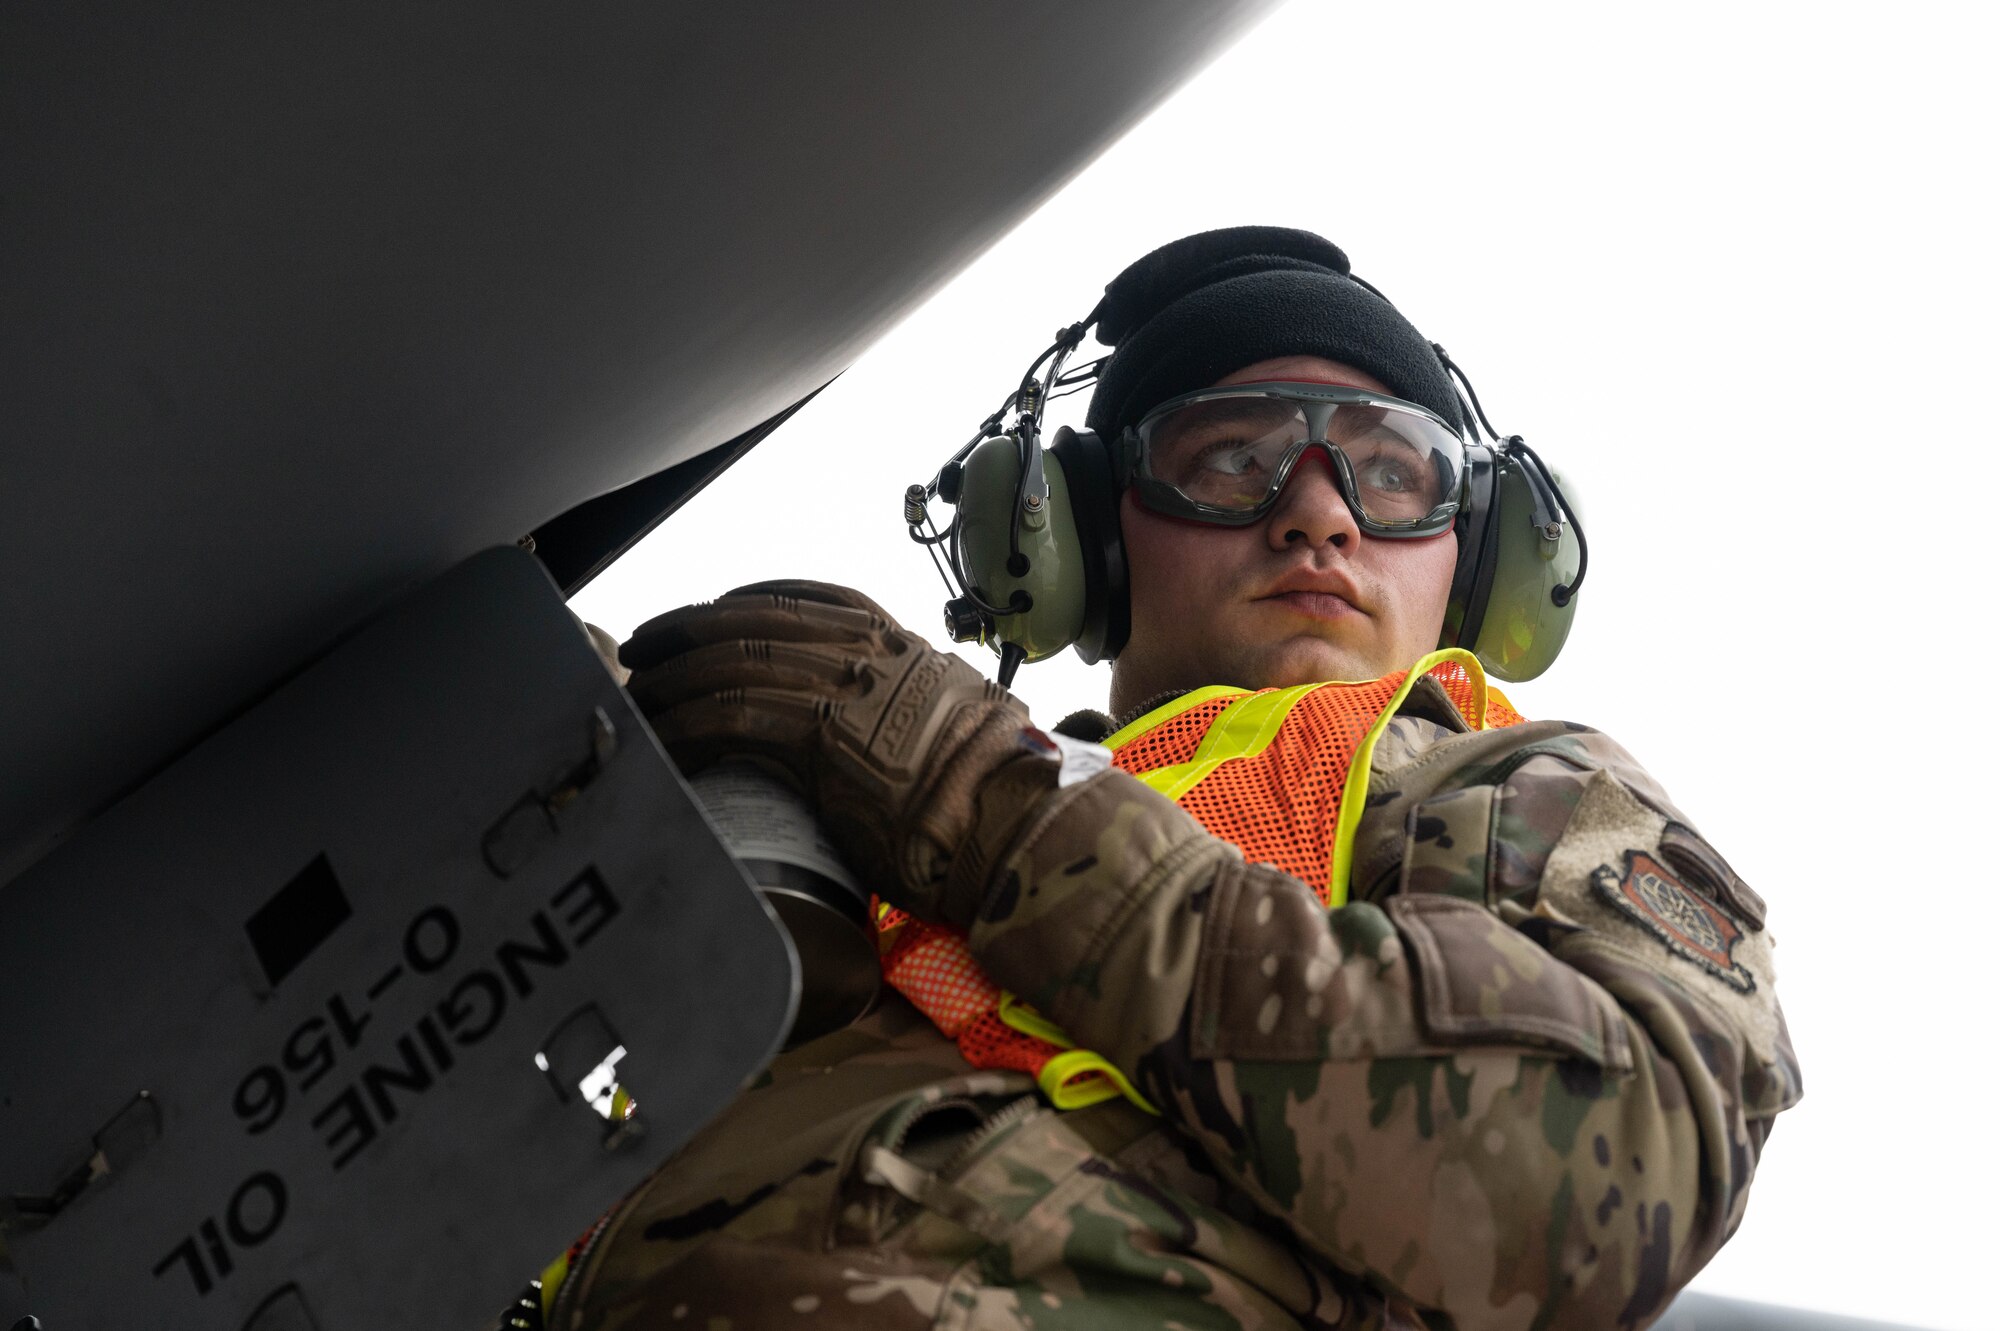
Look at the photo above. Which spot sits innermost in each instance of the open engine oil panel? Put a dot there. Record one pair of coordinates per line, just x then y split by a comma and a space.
360, 1012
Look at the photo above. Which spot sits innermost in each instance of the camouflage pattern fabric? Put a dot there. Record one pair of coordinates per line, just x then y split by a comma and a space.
1521, 1081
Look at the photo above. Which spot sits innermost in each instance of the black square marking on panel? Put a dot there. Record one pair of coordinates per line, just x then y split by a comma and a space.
304, 912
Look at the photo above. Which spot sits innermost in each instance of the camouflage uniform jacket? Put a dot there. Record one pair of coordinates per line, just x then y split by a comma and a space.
1520, 1081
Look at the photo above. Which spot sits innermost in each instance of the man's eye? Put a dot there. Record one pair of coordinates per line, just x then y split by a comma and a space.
1388, 474
1394, 469
1229, 459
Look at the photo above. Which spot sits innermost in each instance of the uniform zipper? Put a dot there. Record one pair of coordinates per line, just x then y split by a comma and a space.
895, 1142
1014, 1114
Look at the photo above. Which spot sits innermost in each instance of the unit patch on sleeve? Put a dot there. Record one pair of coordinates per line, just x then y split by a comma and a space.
1682, 918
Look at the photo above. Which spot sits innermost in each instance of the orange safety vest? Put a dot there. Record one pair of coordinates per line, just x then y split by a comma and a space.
1267, 770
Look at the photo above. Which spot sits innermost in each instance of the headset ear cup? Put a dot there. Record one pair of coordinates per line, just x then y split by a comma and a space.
1522, 627
1030, 565
1478, 532
1092, 475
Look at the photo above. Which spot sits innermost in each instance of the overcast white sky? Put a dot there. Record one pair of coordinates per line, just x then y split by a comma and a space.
1731, 268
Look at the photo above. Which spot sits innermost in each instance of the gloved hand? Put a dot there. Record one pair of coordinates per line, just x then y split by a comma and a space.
916, 763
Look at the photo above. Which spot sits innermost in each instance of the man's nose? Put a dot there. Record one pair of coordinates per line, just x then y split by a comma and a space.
1310, 510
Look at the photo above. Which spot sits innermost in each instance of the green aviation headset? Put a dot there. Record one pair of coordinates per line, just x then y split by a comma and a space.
1035, 559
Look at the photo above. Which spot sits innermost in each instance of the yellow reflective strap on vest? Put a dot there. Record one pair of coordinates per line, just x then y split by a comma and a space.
1075, 1077
1243, 729
1166, 712
1355, 796
1028, 1021
552, 1277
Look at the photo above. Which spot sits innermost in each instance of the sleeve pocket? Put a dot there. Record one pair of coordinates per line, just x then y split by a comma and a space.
1480, 982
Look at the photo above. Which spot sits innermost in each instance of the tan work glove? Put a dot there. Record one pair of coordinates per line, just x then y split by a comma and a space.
921, 769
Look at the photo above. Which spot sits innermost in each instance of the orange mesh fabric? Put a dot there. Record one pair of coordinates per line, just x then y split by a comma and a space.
1173, 740
992, 1043
929, 965
932, 966
1280, 805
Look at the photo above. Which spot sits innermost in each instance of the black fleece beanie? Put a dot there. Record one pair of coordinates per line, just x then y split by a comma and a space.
1209, 304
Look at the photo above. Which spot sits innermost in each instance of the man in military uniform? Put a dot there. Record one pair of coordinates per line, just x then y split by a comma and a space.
1518, 1076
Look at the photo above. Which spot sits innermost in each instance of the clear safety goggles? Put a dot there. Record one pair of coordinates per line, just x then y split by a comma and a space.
1223, 455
